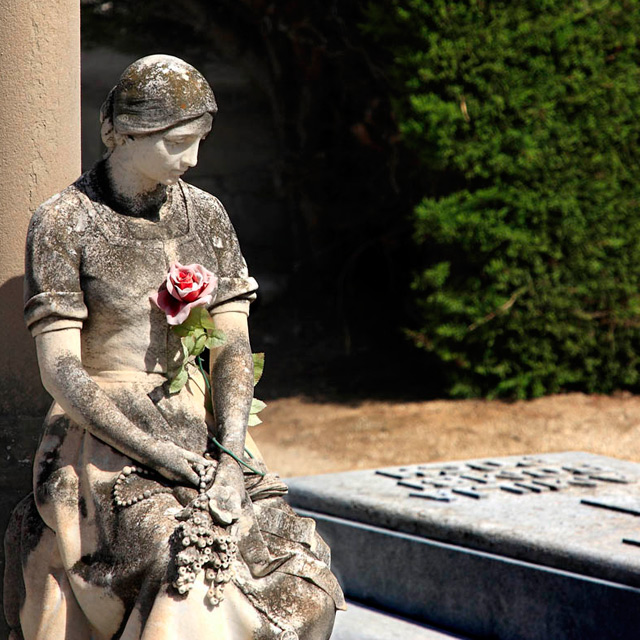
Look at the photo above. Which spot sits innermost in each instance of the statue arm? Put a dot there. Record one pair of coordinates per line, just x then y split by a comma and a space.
64, 377
232, 384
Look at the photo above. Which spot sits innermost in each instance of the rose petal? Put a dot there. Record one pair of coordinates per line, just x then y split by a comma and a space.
167, 303
172, 276
210, 279
186, 287
193, 283
203, 282
191, 297
184, 312
211, 287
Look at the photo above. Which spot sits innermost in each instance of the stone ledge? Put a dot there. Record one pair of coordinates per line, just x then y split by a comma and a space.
360, 622
562, 563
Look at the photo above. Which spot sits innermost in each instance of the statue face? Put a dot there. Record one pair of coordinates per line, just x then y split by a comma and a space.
164, 156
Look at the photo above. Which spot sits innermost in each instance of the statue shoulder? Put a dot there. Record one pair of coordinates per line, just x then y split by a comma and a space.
212, 222
205, 204
64, 215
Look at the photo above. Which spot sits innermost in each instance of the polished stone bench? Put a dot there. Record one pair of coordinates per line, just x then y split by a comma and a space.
529, 548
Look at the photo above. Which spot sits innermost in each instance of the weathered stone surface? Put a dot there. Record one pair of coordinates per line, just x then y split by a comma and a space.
19, 440
557, 562
156, 519
547, 527
359, 622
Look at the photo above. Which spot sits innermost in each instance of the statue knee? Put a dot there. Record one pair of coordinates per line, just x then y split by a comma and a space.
316, 616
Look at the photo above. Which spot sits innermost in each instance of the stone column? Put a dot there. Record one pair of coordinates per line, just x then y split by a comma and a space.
39, 155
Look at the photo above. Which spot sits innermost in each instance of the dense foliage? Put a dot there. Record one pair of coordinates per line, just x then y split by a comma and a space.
523, 118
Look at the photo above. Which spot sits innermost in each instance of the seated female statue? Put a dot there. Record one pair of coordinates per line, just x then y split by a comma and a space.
152, 517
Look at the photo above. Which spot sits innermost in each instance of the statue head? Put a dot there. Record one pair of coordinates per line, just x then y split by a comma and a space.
153, 94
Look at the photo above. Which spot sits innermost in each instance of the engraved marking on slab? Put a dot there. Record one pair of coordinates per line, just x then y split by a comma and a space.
633, 510
610, 477
476, 478
411, 485
529, 462
534, 473
582, 482
393, 474
470, 493
490, 486
513, 489
631, 541
445, 483
524, 476
532, 487
555, 484
510, 475
583, 469
438, 496
480, 466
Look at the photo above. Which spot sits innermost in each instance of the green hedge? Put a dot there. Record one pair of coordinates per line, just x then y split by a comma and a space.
524, 118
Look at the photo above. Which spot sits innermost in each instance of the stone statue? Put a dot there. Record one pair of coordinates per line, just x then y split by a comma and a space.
152, 517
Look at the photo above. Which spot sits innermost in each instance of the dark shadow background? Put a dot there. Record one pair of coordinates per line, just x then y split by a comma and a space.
305, 156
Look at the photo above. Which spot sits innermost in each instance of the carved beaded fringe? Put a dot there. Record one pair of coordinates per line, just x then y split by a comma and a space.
199, 543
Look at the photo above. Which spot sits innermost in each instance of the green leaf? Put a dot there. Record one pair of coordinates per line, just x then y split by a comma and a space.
199, 318
181, 330
199, 315
216, 338
179, 381
199, 344
207, 321
189, 343
257, 406
253, 420
258, 367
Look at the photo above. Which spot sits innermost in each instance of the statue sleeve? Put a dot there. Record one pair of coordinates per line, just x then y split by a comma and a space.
236, 288
53, 296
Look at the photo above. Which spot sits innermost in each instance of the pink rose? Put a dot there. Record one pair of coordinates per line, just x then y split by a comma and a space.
186, 287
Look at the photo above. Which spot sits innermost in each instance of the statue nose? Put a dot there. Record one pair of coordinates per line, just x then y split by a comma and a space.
190, 157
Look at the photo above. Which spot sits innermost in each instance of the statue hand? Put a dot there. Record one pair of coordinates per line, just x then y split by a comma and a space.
226, 494
176, 463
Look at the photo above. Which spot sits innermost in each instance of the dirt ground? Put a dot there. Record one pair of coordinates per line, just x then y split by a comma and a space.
301, 437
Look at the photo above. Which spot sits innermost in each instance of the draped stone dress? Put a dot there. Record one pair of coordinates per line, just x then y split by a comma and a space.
80, 567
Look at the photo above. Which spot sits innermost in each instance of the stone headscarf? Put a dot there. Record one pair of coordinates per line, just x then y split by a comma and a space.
153, 94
